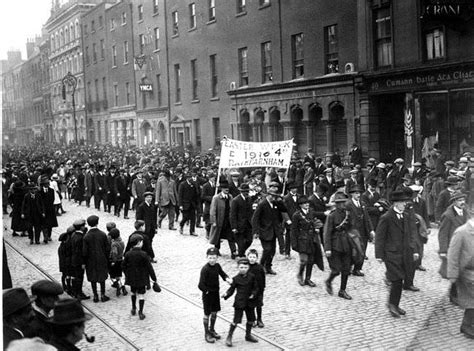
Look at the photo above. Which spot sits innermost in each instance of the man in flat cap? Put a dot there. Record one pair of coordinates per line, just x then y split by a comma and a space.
455, 216
100, 188
188, 199
219, 217
208, 192
78, 264
444, 197
47, 293
166, 197
17, 314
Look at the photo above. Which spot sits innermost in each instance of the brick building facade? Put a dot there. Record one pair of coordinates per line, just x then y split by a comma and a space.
417, 78
66, 55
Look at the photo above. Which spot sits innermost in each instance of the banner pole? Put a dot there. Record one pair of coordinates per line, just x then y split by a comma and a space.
287, 169
219, 168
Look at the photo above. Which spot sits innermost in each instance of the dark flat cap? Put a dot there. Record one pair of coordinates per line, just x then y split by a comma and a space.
79, 223
46, 287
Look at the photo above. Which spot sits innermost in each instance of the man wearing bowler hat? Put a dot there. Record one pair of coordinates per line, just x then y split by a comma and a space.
395, 245
46, 197
241, 219
360, 220
267, 225
17, 314
68, 324
46, 293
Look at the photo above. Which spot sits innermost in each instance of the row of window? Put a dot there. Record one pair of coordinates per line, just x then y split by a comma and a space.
433, 38
64, 36
116, 94
211, 13
71, 64
194, 79
143, 40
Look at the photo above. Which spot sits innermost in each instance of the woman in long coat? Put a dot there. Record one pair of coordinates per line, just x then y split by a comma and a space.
16, 200
305, 240
461, 272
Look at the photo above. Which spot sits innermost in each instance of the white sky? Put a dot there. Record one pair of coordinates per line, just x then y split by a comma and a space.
20, 20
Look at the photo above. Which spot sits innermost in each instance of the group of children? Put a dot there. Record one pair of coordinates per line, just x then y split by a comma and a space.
131, 260
134, 262
249, 284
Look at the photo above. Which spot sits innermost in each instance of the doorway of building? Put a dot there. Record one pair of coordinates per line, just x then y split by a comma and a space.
391, 127
146, 133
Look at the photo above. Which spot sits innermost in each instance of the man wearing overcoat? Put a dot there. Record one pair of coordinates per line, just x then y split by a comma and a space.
395, 245
267, 225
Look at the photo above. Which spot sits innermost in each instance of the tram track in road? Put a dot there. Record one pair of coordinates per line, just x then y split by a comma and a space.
107, 325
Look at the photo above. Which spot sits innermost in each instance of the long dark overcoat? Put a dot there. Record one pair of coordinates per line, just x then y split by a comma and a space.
216, 216
395, 244
50, 220
96, 251
16, 199
33, 209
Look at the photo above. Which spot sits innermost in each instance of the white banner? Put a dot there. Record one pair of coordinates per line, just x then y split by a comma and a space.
236, 153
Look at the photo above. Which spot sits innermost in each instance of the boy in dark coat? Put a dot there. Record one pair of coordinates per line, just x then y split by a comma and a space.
138, 271
305, 227
257, 270
209, 285
245, 299
77, 259
64, 254
96, 255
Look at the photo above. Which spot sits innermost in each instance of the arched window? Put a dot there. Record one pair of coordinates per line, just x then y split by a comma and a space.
73, 36
61, 40
66, 31
78, 33
52, 42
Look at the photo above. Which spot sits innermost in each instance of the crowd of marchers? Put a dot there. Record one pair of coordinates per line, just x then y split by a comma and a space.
318, 207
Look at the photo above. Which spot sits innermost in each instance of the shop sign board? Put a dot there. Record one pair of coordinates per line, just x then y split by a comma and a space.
421, 80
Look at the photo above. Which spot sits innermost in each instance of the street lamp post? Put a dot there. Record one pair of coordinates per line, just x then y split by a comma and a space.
71, 81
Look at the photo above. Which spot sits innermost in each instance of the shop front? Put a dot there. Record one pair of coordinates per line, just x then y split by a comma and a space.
407, 114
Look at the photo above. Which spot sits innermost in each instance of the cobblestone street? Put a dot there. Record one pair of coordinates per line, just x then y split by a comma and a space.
295, 317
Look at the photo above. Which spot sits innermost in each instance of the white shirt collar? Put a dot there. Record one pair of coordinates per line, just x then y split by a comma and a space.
458, 210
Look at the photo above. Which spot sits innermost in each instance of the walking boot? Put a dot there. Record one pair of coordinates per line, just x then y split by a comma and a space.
124, 290
248, 333
228, 341
212, 324
309, 271
207, 334
299, 276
